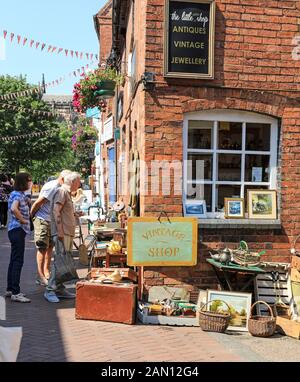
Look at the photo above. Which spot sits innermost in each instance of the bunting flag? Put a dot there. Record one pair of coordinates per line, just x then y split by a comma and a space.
32, 135
39, 89
50, 48
40, 113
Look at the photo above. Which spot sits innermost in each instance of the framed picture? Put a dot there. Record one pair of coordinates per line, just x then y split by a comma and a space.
195, 208
239, 305
234, 208
262, 204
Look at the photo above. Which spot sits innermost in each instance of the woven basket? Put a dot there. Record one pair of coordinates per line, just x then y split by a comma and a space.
213, 321
261, 326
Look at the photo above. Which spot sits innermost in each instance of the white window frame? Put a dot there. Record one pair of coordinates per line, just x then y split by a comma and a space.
230, 116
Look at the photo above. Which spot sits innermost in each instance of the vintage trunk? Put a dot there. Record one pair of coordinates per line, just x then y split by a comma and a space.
115, 303
126, 273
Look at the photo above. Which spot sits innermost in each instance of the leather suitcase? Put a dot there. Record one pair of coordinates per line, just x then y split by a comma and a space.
106, 302
127, 273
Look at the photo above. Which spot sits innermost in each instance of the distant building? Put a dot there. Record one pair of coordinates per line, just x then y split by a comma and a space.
61, 104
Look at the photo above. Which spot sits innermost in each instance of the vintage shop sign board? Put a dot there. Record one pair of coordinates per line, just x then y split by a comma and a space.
164, 242
189, 38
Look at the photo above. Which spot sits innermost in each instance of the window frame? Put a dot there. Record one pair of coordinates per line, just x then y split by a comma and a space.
229, 115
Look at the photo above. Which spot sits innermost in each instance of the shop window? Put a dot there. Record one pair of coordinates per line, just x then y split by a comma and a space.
228, 152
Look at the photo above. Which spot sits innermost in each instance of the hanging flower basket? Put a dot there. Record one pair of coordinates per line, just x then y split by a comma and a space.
94, 88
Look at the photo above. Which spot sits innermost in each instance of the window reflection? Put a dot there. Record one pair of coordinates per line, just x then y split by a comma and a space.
229, 167
230, 135
257, 168
199, 167
227, 191
200, 192
258, 136
200, 134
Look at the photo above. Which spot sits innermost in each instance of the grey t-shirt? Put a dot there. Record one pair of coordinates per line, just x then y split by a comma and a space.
48, 191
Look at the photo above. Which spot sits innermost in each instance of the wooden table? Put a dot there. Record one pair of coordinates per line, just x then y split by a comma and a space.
233, 269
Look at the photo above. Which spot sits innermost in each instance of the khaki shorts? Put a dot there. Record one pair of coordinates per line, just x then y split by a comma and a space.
42, 234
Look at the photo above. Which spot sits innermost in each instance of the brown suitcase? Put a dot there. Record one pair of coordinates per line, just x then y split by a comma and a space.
109, 302
126, 273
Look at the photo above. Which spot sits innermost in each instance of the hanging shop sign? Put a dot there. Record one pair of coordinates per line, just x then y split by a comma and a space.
162, 242
108, 132
189, 38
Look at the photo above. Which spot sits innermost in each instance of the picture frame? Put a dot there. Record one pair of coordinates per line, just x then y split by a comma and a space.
240, 307
234, 208
262, 204
195, 208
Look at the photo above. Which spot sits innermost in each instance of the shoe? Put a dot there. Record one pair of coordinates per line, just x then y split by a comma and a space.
63, 293
9, 293
42, 282
19, 298
51, 297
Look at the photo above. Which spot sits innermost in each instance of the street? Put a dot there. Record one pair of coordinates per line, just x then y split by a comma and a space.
51, 332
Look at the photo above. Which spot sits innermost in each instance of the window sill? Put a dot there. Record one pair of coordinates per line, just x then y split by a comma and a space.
240, 223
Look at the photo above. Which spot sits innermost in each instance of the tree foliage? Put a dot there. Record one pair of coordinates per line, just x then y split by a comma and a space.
44, 155
20, 153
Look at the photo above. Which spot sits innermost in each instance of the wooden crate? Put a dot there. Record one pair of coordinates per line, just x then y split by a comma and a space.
264, 287
288, 327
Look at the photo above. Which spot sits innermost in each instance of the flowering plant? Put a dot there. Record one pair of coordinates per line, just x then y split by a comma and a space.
84, 96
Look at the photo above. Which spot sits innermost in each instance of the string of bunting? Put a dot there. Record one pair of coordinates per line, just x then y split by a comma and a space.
47, 48
35, 112
24, 136
38, 89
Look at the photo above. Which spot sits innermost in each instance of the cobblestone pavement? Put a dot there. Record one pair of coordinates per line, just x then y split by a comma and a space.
51, 332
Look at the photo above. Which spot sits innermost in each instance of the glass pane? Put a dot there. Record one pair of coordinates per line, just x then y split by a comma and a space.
246, 188
257, 168
223, 192
199, 167
230, 135
200, 134
229, 167
200, 192
258, 136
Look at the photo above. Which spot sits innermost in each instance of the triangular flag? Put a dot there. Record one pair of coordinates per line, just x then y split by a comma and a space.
19, 38
49, 48
53, 49
31, 43
66, 51
76, 54
43, 46
24, 41
72, 53
37, 45
74, 73
4, 34
87, 55
78, 71
81, 54
96, 56
11, 36
59, 50
91, 56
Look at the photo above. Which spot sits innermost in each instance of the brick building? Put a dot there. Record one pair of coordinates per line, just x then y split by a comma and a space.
243, 114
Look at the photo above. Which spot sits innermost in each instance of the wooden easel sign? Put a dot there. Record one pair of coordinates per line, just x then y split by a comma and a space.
162, 242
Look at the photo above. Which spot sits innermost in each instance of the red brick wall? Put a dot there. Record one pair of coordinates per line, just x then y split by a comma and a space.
253, 51
254, 71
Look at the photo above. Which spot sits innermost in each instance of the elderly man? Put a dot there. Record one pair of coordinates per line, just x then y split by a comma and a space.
63, 231
40, 212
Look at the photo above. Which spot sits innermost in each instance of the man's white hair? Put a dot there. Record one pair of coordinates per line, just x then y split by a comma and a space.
64, 173
71, 177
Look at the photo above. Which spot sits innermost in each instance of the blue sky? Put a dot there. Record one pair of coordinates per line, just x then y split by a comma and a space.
62, 23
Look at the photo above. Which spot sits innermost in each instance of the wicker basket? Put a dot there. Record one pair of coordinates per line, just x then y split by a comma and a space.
213, 321
261, 326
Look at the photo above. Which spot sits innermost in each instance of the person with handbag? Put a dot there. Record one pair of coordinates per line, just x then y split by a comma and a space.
63, 232
5, 190
18, 227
